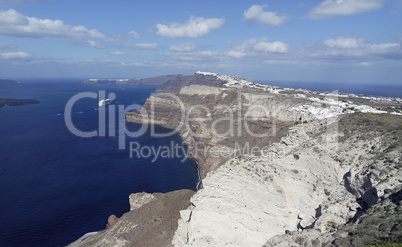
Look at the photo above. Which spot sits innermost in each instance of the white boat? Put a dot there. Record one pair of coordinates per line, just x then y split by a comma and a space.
104, 102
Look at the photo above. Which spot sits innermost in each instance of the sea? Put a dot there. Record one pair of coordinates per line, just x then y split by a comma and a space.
56, 186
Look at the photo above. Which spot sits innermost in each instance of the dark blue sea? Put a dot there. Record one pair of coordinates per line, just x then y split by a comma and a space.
55, 186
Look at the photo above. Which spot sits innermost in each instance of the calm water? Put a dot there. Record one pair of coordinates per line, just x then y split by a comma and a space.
55, 186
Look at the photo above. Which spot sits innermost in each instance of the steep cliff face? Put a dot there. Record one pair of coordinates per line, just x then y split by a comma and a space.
212, 118
280, 166
321, 176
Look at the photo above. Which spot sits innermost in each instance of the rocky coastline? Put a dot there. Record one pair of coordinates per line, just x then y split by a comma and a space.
279, 167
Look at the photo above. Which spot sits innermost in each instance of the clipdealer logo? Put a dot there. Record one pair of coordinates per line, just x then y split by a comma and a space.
235, 122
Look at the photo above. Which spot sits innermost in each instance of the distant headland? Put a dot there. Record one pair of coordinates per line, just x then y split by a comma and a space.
153, 81
17, 102
5, 82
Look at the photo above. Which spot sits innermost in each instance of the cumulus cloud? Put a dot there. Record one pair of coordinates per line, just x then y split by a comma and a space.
92, 43
344, 42
193, 28
388, 51
243, 49
333, 8
13, 23
15, 55
144, 46
257, 14
237, 54
275, 47
184, 47
354, 48
117, 53
358, 46
134, 34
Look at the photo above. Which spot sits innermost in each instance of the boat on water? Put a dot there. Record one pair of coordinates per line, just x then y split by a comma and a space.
105, 102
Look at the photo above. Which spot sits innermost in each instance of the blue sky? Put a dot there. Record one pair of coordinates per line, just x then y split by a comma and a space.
357, 41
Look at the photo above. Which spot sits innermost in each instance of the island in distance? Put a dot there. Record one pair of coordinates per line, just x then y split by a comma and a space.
153, 81
14, 102
5, 82
17, 102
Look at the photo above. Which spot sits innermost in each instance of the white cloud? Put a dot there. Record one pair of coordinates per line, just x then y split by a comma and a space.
144, 46
184, 47
14, 55
256, 13
381, 48
134, 34
117, 53
364, 64
7, 47
92, 43
352, 49
344, 42
13, 23
275, 47
193, 28
357, 47
237, 54
333, 8
243, 49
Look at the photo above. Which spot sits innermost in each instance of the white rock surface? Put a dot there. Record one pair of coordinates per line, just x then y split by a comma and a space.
137, 200
200, 90
297, 183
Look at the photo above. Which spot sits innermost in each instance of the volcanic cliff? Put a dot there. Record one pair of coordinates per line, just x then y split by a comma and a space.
280, 167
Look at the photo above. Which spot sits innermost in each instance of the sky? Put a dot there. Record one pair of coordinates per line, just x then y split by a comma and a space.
352, 41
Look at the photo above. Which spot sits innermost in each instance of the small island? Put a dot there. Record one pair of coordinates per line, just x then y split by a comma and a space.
7, 82
17, 102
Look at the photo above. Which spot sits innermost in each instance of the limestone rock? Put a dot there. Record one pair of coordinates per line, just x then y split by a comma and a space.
137, 200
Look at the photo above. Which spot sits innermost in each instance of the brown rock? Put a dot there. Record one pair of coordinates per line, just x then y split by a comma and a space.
111, 221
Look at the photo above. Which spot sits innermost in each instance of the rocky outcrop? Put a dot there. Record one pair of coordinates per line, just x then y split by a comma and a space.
149, 223
17, 102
